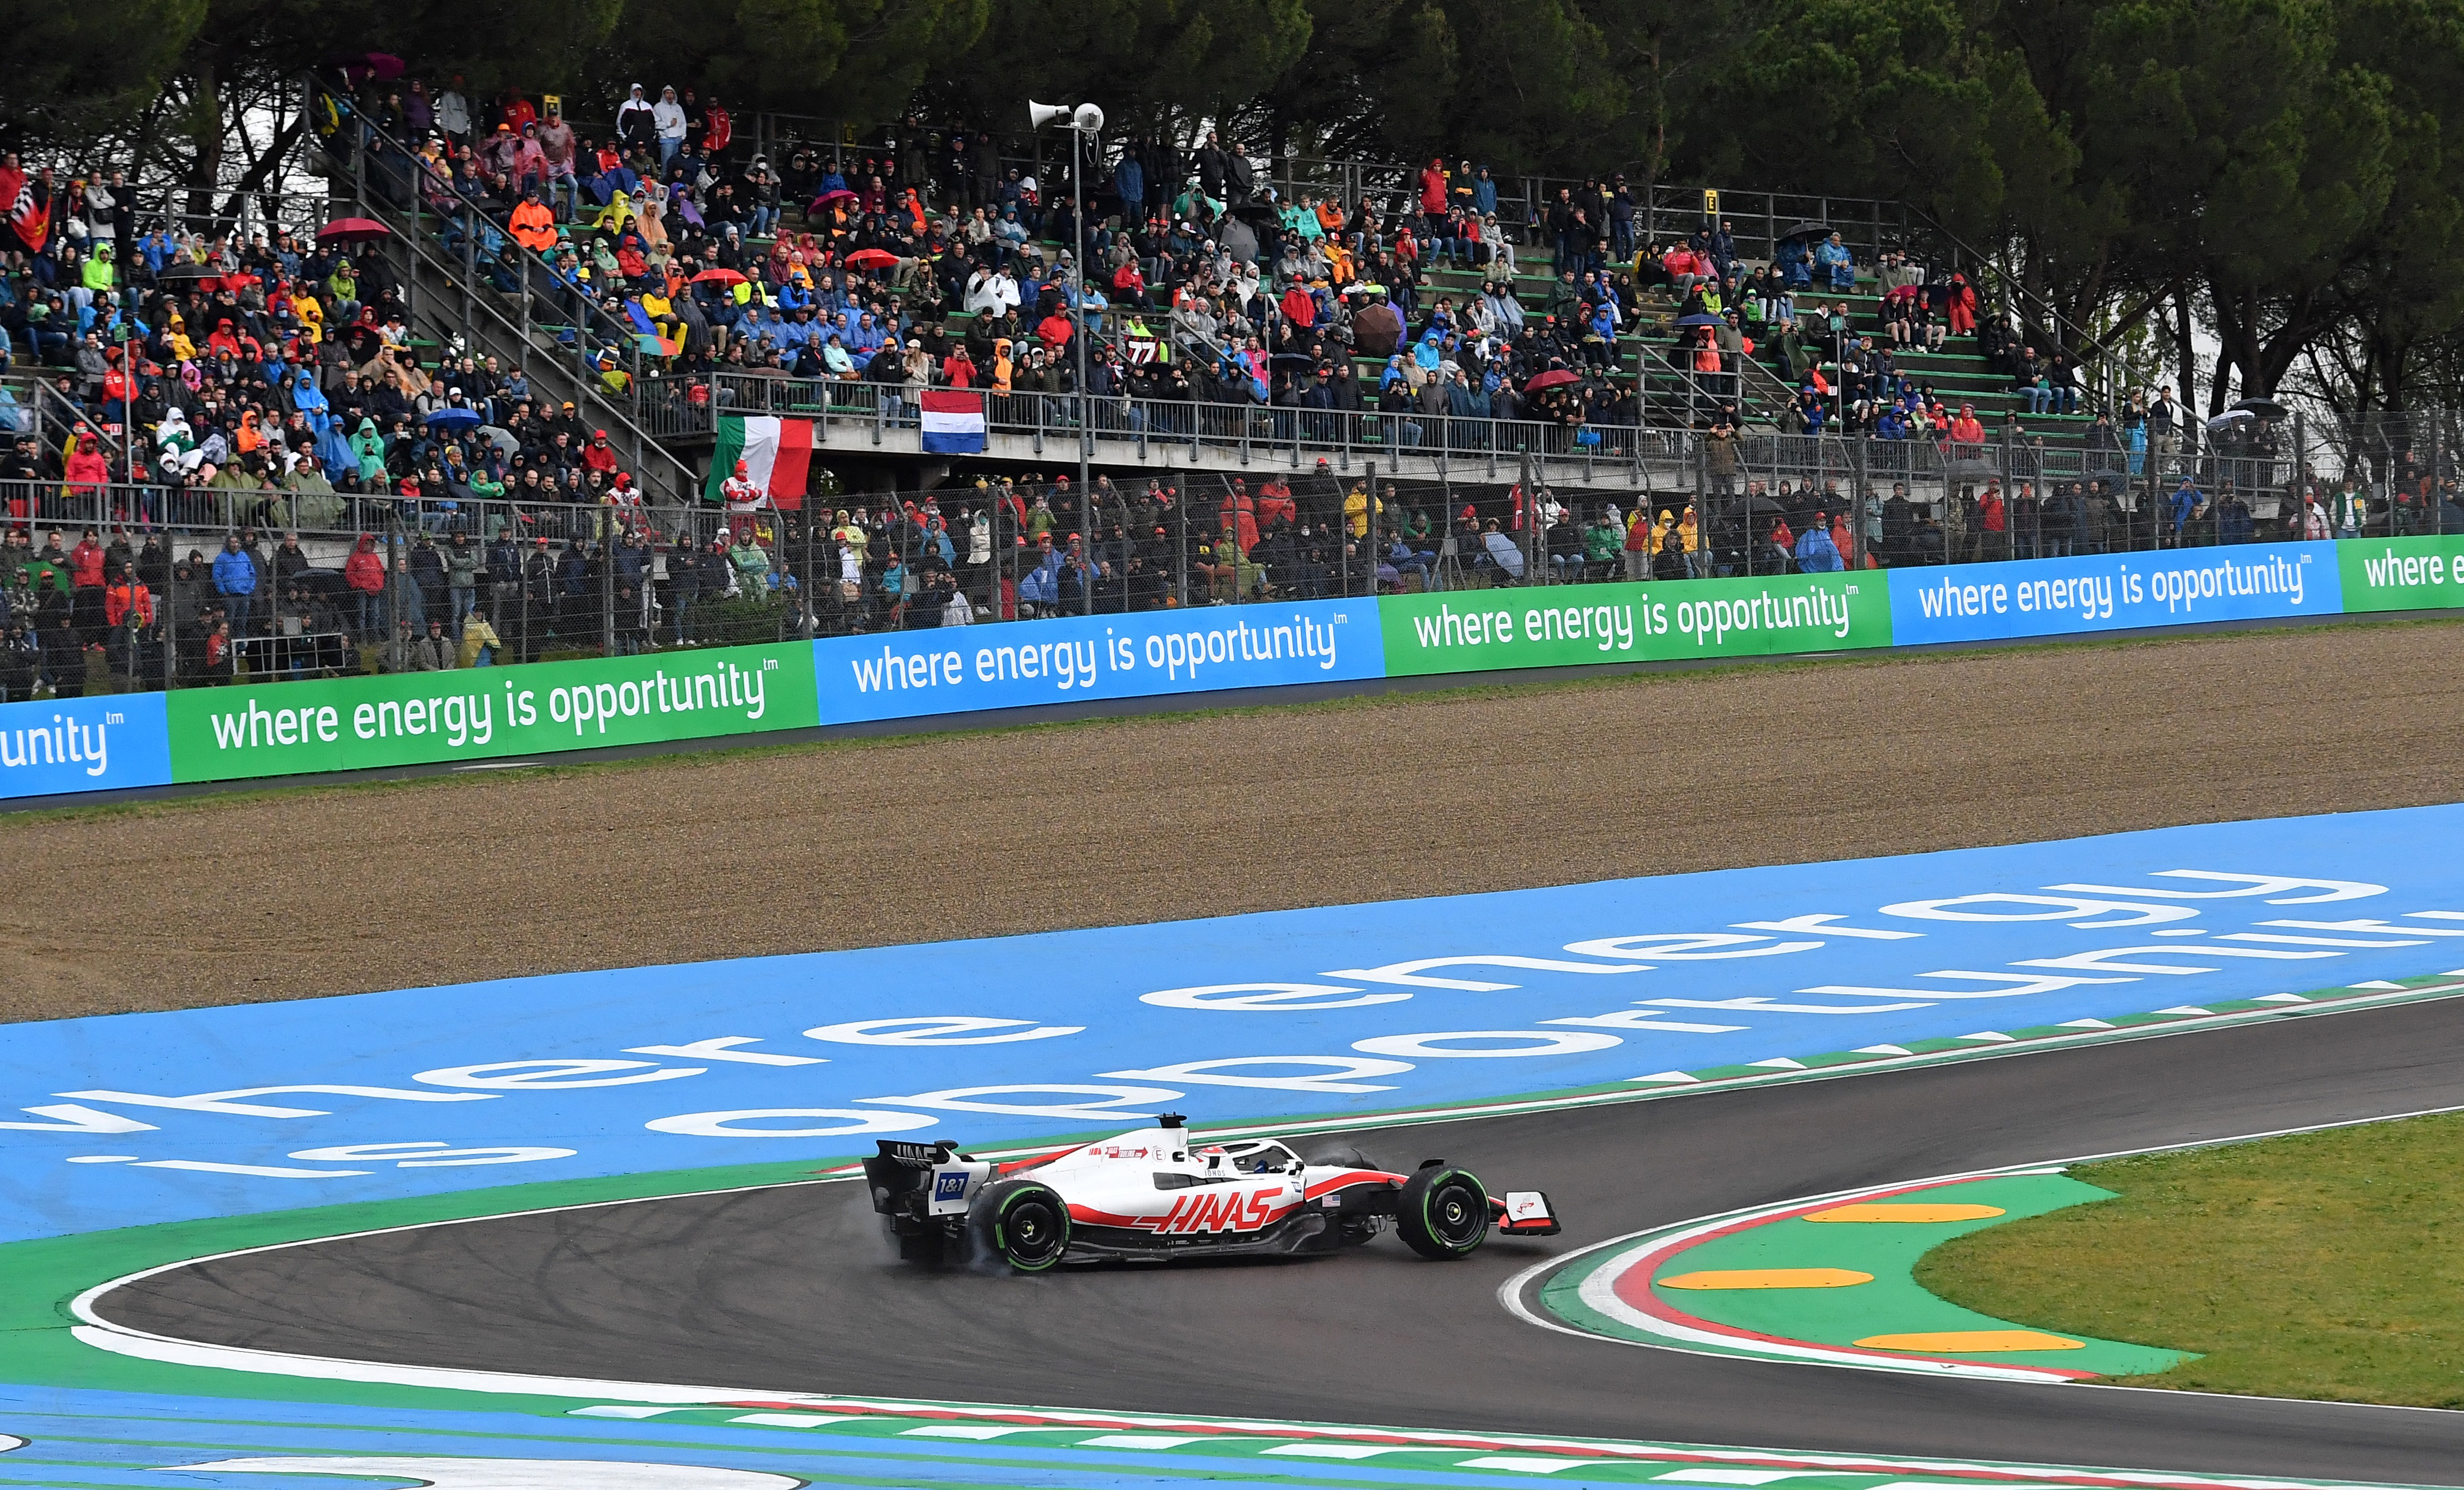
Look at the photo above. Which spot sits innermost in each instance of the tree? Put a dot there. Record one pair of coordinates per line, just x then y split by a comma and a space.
857, 60
1146, 62
78, 69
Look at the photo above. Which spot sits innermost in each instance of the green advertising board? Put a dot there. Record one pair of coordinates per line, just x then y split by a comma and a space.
1569, 625
2402, 573
489, 713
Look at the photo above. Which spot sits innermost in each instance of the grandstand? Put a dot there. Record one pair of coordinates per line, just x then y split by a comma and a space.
485, 377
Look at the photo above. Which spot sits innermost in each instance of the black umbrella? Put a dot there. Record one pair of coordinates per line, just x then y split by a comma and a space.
1808, 230
2265, 408
190, 272
1257, 214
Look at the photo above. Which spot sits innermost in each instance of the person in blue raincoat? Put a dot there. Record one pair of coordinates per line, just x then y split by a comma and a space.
1834, 259
306, 396
1041, 585
1816, 554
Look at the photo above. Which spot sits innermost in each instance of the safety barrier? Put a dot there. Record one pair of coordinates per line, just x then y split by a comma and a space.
63, 747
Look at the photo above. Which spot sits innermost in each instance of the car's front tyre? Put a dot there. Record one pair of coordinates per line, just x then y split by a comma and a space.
1023, 1223
1442, 1212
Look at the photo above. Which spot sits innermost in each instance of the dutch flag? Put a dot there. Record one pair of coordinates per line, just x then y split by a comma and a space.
954, 423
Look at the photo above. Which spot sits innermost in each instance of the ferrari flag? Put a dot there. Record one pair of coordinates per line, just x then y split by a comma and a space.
25, 207
954, 424
776, 453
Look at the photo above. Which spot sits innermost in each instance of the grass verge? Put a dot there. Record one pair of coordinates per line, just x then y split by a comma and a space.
2321, 1265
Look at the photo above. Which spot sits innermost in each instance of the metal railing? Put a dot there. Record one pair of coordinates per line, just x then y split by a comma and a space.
374, 158
1759, 219
882, 418
332, 516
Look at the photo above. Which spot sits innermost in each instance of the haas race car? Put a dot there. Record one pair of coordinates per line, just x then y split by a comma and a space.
1155, 1194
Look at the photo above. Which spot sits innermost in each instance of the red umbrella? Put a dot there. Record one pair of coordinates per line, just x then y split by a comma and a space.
718, 276
353, 229
872, 258
842, 194
1554, 377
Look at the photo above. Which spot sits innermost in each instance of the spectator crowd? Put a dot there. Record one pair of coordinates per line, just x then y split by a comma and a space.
262, 387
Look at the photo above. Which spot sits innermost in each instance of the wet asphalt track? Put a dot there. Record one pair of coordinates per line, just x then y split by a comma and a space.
791, 1289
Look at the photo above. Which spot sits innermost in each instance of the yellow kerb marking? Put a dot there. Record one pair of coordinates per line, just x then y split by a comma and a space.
1906, 1212
1971, 1342
1770, 1278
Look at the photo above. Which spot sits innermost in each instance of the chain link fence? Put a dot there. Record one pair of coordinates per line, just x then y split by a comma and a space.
441, 582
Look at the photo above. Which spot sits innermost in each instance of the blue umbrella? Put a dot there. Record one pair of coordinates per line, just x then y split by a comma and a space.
453, 418
1685, 322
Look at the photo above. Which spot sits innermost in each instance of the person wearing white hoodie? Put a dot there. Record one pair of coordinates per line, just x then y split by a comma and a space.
669, 116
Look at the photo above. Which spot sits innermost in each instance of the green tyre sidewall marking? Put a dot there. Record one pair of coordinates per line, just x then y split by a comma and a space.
1426, 1224
1001, 1229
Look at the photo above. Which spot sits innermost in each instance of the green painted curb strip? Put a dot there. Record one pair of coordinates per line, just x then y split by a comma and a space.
813, 1452
1894, 1303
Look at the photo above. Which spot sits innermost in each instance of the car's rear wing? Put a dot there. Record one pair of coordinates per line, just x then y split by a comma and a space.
902, 1170
923, 1178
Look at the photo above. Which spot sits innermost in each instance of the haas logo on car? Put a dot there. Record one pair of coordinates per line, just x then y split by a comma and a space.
1218, 1211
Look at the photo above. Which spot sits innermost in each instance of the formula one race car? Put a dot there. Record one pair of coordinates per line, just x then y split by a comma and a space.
1155, 1193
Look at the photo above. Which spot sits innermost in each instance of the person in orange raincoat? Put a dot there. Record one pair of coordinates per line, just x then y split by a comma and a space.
534, 225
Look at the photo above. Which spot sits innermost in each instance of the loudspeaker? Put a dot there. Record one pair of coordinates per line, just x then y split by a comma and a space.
1090, 119
1039, 115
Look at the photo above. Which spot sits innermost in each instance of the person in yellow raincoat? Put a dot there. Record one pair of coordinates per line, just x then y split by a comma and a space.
662, 312
1355, 510
479, 641
1689, 537
613, 217
310, 312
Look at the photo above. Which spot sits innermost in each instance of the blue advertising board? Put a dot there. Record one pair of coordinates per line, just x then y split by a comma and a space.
2113, 593
951, 670
51, 747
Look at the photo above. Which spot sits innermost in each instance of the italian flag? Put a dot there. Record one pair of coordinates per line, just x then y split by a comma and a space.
776, 453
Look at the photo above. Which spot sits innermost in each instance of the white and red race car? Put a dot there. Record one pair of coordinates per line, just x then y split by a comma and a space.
1157, 1194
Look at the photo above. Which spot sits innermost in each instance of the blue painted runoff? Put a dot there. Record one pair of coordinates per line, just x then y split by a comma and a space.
131, 1119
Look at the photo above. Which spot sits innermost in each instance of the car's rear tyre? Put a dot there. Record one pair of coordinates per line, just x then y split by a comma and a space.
1442, 1212
1023, 1223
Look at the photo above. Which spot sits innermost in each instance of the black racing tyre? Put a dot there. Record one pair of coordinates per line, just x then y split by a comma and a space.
1442, 1212
1024, 1223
